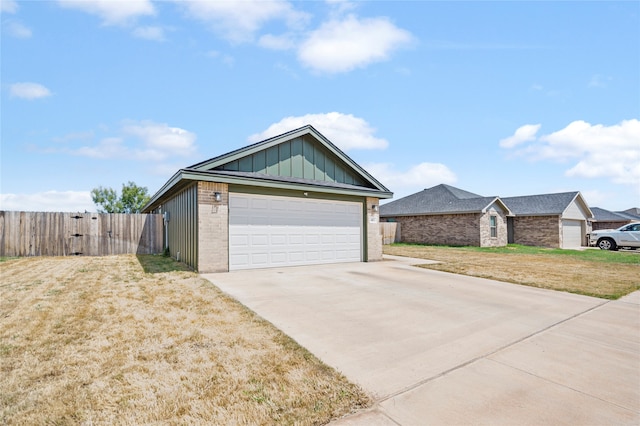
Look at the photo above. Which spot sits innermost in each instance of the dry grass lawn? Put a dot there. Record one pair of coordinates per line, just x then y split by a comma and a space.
608, 275
110, 340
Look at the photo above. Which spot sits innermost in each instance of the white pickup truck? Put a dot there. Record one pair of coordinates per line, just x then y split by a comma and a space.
612, 239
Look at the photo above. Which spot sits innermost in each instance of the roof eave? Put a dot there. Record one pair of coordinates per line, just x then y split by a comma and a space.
208, 176
177, 177
431, 213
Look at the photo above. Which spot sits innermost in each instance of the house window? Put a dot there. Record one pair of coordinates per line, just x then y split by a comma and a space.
493, 225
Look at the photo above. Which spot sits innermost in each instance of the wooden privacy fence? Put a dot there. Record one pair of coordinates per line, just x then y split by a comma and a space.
390, 232
79, 234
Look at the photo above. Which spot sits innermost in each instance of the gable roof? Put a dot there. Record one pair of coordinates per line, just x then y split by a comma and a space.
634, 212
545, 204
440, 199
310, 162
606, 215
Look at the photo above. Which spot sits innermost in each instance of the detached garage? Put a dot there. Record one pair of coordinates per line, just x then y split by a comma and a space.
295, 199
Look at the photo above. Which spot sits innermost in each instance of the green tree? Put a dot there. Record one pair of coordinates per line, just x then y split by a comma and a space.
132, 200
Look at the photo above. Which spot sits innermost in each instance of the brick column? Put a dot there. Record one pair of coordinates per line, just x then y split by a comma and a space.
213, 227
374, 237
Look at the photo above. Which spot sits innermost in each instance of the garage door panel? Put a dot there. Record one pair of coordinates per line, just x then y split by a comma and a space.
279, 258
571, 233
239, 240
260, 240
258, 204
296, 256
296, 239
269, 231
260, 259
279, 240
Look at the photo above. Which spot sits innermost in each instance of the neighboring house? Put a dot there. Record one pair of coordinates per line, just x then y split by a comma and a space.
448, 215
549, 220
605, 219
294, 199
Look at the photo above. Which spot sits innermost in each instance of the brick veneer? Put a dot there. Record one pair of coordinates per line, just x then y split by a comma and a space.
485, 230
453, 229
608, 225
374, 237
543, 231
213, 227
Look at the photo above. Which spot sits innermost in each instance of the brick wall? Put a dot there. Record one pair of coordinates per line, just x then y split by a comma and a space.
449, 229
543, 231
486, 240
213, 227
608, 225
374, 237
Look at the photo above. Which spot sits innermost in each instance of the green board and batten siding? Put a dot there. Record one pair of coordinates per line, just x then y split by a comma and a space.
297, 158
182, 228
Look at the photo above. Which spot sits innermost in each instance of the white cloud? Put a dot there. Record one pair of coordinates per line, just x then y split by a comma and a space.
601, 151
282, 42
339, 7
343, 45
29, 91
18, 30
149, 33
223, 57
8, 6
598, 80
525, 133
413, 179
112, 12
111, 147
238, 21
48, 201
344, 130
163, 140
141, 141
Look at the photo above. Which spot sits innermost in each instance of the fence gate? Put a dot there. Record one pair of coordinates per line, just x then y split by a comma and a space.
79, 234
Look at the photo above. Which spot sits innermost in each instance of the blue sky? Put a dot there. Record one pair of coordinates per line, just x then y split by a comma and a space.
496, 98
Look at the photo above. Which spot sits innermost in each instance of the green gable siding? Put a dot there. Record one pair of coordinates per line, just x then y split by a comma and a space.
273, 161
246, 164
296, 157
260, 162
285, 159
301, 157
308, 166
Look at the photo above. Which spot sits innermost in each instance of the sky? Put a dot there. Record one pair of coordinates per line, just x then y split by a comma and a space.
501, 98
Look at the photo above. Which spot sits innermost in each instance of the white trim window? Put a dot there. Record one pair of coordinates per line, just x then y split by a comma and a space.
493, 226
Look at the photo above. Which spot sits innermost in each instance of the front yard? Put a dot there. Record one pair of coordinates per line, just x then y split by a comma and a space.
141, 340
591, 272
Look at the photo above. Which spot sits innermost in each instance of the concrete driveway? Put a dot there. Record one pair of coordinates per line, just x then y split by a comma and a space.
438, 348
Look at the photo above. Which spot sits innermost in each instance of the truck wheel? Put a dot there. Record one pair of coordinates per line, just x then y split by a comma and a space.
607, 244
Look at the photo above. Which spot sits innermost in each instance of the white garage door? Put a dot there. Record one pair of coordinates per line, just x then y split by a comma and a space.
571, 233
269, 231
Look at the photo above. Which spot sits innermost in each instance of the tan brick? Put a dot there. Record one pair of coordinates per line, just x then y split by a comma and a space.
374, 236
213, 228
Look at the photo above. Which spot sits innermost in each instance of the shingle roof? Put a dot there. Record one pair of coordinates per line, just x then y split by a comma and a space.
543, 204
440, 199
606, 215
629, 216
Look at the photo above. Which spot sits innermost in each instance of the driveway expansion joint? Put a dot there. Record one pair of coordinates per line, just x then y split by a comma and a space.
487, 355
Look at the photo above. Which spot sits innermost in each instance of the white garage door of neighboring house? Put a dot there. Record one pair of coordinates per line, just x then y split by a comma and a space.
271, 231
571, 233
